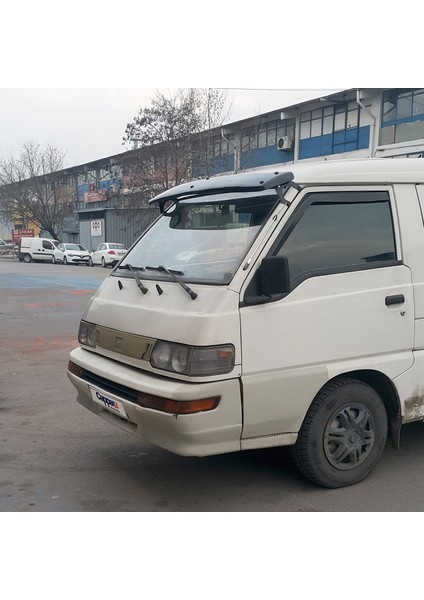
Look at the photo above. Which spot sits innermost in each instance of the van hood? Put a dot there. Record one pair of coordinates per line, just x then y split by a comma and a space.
167, 312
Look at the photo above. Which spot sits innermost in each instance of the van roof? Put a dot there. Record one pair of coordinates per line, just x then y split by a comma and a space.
355, 171
370, 170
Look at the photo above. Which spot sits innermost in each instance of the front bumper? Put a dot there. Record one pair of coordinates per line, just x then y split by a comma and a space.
202, 434
77, 260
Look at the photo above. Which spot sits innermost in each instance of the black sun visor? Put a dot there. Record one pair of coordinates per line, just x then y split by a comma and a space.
242, 182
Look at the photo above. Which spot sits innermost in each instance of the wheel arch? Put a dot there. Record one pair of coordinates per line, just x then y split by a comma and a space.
387, 391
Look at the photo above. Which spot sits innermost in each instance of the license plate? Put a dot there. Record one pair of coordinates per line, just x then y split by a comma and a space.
109, 402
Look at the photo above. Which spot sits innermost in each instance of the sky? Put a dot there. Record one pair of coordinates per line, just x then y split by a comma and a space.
88, 123
74, 80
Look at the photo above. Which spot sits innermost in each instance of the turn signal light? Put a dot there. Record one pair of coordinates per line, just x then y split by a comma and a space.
75, 369
177, 407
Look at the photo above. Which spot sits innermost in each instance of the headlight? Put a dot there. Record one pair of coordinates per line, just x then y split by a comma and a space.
193, 361
87, 334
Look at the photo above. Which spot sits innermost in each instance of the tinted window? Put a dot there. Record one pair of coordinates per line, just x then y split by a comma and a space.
340, 231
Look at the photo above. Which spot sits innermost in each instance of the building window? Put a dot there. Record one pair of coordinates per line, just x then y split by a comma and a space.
402, 104
105, 173
271, 139
262, 137
115, 171
222, 146
67, 181
266, 134
323, 121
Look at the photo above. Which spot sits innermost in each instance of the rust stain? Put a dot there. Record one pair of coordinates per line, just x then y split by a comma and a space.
414, 409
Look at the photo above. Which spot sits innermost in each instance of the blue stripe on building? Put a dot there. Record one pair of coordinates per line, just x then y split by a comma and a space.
346, 140
270, 155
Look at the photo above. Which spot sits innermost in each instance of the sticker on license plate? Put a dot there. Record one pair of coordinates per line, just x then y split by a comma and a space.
109, 402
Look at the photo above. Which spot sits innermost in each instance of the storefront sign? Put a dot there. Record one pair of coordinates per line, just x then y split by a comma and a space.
95, 196
17, 234
96, 228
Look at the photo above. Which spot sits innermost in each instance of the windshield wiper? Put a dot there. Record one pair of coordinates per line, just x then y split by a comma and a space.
136, 277
174, 274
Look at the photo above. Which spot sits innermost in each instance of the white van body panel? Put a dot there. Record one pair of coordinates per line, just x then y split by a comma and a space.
413, 214
37, 248
327, 326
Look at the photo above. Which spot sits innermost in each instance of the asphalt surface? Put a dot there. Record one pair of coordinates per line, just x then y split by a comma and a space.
55, 456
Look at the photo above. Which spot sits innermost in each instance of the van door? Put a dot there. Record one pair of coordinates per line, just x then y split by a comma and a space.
350, 307
42, 249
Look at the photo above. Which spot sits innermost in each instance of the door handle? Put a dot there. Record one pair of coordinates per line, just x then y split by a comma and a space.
396, 299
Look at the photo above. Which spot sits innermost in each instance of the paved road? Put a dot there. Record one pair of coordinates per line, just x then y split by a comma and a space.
57, 456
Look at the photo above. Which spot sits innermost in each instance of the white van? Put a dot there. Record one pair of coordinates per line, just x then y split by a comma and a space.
268, 309
34, 248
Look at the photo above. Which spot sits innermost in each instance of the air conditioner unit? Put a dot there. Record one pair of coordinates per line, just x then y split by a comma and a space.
285, 143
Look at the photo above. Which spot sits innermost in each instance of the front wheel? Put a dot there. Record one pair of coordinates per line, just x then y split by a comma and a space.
104, 265
54, 260
27, 258
65, 260
343, 435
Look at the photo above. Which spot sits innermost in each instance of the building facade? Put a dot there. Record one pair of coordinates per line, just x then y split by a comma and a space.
352, 123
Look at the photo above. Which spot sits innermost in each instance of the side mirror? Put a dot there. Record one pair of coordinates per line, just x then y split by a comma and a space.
271, 282
275, 276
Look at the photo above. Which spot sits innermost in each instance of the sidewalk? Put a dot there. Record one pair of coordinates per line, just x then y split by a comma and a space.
8, 256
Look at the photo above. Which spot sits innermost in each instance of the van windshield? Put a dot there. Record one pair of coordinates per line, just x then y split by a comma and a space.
203, 240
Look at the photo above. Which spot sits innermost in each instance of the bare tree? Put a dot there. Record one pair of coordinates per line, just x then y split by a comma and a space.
173, 140
31, 187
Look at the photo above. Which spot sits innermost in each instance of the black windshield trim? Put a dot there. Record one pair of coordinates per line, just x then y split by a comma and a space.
151, 276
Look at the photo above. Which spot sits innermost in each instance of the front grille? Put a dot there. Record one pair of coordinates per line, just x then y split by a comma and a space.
111, 386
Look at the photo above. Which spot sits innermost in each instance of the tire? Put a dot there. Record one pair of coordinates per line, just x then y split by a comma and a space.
343, 435
65, 260
54, 261
90, 262
104, 265
27, 258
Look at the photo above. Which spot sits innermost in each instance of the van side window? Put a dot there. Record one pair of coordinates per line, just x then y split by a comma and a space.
340, 232
47, 245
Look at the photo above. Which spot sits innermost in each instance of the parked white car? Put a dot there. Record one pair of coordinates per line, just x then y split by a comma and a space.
5, 248
70, 254
107, 254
